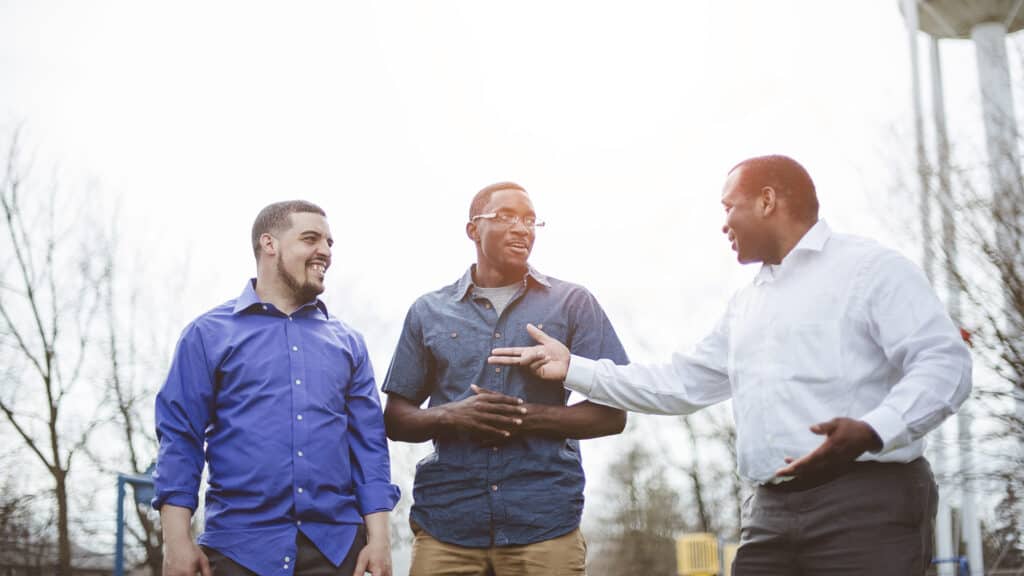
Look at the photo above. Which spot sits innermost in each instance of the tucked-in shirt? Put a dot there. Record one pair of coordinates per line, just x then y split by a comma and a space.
294, 436
527, 489
842, 327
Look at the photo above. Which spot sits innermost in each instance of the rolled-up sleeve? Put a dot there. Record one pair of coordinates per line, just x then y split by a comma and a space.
183, 408
371, 466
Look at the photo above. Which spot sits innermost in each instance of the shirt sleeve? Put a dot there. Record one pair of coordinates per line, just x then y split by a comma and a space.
689, 382
371, 464
593, 335
411, 369
909, 323
183, 408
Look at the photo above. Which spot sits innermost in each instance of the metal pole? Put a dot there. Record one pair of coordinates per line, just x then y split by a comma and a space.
943, 519
119, 552
924, 202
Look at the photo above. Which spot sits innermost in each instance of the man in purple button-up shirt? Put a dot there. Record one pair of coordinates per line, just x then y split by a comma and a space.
279, 400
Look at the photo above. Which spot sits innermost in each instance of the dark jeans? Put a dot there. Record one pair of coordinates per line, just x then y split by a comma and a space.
308, 562
876, 519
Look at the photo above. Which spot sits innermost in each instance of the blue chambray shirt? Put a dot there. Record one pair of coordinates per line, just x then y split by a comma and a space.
528, 489
294, 436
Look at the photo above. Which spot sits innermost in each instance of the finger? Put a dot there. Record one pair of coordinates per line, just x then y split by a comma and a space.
510, 351
503, 408
538, 334
490, 398
361, 564
204, 564
501, 421
825, 428
480, 428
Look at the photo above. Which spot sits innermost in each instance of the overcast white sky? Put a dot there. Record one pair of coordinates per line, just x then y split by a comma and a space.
621, 118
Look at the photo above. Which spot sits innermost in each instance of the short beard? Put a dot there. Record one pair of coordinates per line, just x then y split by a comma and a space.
303, 292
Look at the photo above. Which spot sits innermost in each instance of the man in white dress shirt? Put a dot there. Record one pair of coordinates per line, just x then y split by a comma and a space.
839, 358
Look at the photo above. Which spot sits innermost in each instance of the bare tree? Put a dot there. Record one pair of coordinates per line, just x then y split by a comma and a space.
644, 521
51, 283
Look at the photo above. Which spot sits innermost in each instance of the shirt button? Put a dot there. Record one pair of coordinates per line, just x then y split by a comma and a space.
497, 370
487, 305
455, 334
298, 522
265, 307
497, 334
540, 326
299, 417
297, 381
494, 487
300, 453
290, 318
300, 490
495, 448
287, 559
295, 348
285, 566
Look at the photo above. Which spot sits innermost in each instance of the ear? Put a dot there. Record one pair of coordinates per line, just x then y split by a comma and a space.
268, 244
768, 200
472, 232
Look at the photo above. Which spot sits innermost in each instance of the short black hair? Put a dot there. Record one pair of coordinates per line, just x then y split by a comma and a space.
484, 196
277, 217
789, 179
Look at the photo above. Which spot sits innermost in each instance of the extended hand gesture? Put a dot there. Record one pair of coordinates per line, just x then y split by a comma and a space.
548, 360
845, 440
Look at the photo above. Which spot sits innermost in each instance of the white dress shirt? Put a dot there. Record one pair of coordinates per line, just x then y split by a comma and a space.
842, 327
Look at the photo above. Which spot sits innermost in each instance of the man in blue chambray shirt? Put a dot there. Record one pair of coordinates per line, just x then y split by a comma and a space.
502, 492
283, 397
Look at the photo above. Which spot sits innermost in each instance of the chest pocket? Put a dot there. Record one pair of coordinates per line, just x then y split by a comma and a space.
335, 371
813, 355
534, 389
459, 353
557, 329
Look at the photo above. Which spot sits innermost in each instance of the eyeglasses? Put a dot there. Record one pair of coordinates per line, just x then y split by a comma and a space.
510, 220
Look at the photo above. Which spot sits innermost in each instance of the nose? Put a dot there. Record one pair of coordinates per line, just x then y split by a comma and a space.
324, 249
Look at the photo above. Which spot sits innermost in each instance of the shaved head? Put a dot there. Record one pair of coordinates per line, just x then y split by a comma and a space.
787, 177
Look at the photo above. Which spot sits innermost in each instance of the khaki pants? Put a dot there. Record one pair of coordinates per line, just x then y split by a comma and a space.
562, 556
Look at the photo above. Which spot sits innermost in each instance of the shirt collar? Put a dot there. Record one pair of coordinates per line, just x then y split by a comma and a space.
813, 240
466, 282
248, 298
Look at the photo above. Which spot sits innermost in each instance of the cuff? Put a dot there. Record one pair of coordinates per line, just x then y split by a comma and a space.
581, 373
380, 497
182, 499
888, 424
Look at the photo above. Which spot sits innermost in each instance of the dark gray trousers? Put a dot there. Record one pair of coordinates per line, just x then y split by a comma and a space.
876, 519
309, 560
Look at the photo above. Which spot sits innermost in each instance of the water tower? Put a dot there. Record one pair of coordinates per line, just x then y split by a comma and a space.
987, 23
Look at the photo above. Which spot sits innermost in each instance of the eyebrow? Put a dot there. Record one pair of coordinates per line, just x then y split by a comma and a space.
330, 240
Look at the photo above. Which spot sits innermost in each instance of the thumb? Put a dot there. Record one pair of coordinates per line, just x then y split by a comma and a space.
538, 334
826, 428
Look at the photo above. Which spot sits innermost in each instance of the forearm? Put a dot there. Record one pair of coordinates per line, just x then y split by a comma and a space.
580, 421
176, 523
378, 528
683, 386
416, 424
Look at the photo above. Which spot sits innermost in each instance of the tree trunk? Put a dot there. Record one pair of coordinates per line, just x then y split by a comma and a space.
63, 535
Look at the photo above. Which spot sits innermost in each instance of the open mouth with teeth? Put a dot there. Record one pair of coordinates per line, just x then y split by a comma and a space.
318, 268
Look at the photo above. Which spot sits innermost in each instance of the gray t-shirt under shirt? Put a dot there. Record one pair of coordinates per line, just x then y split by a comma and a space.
499, 296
